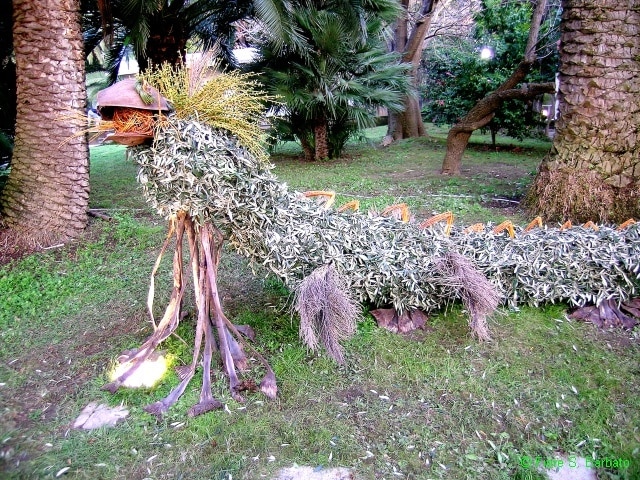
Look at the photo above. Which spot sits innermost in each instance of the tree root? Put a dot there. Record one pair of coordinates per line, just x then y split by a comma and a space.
219, 334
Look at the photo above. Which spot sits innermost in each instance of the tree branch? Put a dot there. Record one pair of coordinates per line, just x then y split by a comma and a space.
482, 113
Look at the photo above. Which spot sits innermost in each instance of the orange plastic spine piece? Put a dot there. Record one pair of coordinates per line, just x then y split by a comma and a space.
626, 224
536, 222
329, 196
476, 227
591, 225
566, 225
353, 205
506, 225
401, 208
448, 216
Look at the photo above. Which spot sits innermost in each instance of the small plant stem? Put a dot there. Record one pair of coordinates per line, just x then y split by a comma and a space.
155, 270
212, 252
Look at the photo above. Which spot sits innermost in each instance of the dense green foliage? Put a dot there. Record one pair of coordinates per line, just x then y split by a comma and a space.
159, 31
456, 77
338, 79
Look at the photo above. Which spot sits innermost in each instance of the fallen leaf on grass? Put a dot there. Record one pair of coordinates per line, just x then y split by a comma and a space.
96, 416
409, 321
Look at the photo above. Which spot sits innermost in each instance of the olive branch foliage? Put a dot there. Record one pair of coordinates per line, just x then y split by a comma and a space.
386, 261
207, 173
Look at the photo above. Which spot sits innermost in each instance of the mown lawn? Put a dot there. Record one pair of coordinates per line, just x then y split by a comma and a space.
433, 404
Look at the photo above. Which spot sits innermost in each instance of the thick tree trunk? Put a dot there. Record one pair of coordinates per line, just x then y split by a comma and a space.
408, 124
480, 116
167, 42
593, 170
321, 140
46, 197
484, 111
309, 153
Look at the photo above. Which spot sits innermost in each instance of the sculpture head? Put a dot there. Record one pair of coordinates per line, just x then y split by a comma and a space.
132, 107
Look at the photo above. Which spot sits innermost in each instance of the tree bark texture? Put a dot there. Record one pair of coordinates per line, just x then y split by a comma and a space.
593, 169
167, 41
47, 194
321, 139
484, 111
410, 44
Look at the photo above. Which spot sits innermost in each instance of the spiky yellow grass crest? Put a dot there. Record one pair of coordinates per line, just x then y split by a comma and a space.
232, 101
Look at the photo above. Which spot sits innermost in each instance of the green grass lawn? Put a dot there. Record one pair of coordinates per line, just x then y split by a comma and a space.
433, 404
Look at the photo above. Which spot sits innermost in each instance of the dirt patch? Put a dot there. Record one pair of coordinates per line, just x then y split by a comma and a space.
499, 170
350, 394
493, 170
508, 207
51, 375
615, 339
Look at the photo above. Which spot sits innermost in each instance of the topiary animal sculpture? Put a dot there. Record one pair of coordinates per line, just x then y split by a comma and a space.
213, 190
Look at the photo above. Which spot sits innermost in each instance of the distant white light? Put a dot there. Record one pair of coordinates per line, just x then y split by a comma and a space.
545, 112
486, 53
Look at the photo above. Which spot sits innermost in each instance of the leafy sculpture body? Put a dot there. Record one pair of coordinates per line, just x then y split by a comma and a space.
213, 189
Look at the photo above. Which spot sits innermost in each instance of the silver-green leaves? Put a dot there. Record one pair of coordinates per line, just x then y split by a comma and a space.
206, 173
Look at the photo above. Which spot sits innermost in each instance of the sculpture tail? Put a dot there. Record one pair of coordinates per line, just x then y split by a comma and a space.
479, 295
327, 312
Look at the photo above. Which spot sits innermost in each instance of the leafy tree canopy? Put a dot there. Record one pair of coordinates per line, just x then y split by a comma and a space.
456, 76
332, 84
159, 31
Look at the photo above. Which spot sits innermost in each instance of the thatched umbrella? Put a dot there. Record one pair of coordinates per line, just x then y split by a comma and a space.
132, 107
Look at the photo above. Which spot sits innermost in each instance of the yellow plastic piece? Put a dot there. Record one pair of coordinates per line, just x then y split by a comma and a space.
329, 196
448, 216
506, 225
398, 207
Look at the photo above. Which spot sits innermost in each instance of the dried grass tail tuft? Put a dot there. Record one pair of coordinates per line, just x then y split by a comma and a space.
327, 311
479, 296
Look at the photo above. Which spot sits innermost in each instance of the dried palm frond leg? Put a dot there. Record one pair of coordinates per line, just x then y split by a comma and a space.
478, 295
230, 339
205, 247
186, 374
327, 312
207, 402
170, 319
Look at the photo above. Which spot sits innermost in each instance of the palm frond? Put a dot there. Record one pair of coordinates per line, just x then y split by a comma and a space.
282, 32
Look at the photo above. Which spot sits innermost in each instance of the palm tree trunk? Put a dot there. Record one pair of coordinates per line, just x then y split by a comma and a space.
167, 41
593, 170
47, 193
307, 149
321, 140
